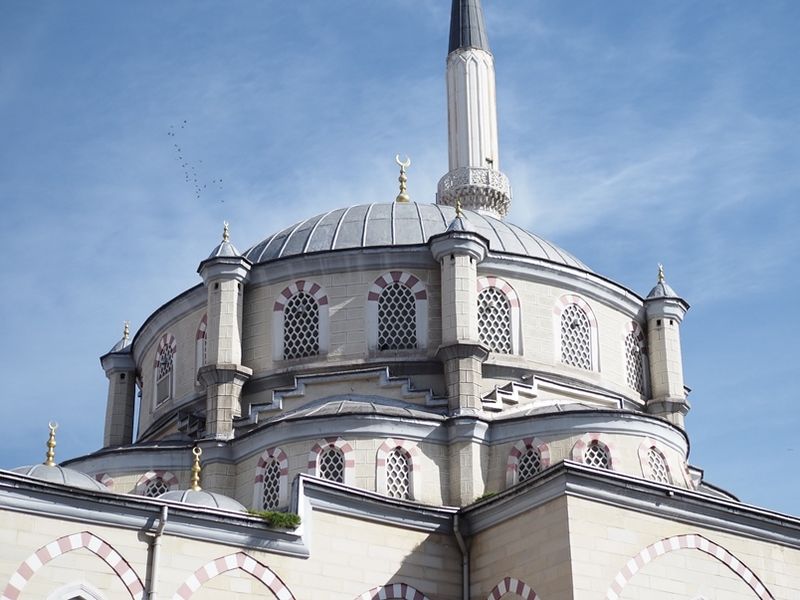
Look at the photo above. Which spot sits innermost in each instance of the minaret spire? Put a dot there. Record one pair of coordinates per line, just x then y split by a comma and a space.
475, 177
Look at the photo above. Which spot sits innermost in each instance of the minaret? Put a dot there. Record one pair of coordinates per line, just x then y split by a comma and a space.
475, 177
665, 312
224, 273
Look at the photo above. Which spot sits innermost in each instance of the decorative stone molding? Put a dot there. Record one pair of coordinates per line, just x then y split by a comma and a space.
104, 551
478, 188
239, 560
317, 292
412, 454
269, 455
344, 447
513, 586
417, 288
561, 305
692, 542
520, 448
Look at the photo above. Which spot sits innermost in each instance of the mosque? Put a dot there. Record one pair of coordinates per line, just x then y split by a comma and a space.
399, 400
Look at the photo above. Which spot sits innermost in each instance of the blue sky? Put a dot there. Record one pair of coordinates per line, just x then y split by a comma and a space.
633, 133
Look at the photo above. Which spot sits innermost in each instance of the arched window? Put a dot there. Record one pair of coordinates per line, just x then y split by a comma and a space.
398, 469
576, 339
300, 327
529, 464
330, 464
301, 321
527, 458
155, 487
596, 455
658, 466
397, 313
164, 369
397, 318
201, 345
271, 490
635, 358
494, 320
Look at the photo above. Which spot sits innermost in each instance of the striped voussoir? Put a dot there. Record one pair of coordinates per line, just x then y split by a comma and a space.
409, 280
393, 591
336, 442
520, 448
62, 545
515, 586
266, 458
690, 541
167, 341
502, 285
106, 480
239, 560
390, 444
569, 299
167, 477
587, 438
201, 328
309, 287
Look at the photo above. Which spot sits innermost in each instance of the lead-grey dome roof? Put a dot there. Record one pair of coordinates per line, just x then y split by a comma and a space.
399, 224
62, 475
204, 498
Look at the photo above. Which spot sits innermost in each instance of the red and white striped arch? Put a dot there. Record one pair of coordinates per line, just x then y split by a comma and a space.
122, 569
690, 541
231, 562
411, 452
318, 293
417, 288
167, 477
167, 341
106, 480
269, 455
579, 449
520, 448
644, 457
558, 309
393, 591
347, 451
512, 586
503, 286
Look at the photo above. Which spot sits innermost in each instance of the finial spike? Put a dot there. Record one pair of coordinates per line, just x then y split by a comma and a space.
225, 233
403, 179
50, 458
195, 487
660, 273
459, 212
126, 331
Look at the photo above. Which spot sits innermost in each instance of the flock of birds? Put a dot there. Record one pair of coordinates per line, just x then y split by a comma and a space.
190, 170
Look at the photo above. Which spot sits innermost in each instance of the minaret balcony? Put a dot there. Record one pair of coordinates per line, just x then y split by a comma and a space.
478, 188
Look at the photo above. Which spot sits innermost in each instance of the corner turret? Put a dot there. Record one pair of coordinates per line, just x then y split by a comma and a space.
120, 370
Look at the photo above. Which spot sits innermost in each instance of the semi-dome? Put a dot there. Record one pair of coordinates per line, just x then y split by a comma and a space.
204, 498
399, 224
61, 475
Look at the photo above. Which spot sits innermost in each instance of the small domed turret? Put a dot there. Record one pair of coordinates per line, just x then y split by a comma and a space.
198, 496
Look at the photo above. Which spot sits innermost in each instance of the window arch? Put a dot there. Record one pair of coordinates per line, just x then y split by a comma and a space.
576, 335
635, 358
397, 313
526, 458
164, 369
653, 459
77, 591
499, 316
301, 321
154, 483
332, 459
397, 469
594, 450
201, 345
270, 489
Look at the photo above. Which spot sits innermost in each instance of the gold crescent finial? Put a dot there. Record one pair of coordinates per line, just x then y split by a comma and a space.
403, 164
225, 233
197, 451
660, 273
50, 458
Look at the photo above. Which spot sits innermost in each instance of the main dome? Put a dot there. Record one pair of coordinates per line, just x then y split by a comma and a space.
399, 224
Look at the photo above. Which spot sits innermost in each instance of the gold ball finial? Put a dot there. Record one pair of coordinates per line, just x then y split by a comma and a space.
403, 196
660, 273
50, 457
126, 331
195, 487
459, 212
225, 233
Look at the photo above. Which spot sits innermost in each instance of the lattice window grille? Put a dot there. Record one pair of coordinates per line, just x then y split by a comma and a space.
272, 486
397, 318
596, 456
155, 487
300, 327
331, 464
397, 475
576, 338
658, 466
529, 464
164, 369
494, 320
634, 357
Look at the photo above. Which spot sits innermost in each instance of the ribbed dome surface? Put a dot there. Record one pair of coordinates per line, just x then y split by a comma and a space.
204, 498
396, 224
62, 475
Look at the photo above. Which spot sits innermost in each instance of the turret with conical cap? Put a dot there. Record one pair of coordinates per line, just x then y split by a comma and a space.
474, 177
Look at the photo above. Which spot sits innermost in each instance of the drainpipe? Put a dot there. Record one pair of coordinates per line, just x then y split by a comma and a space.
155, 553
464, 559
